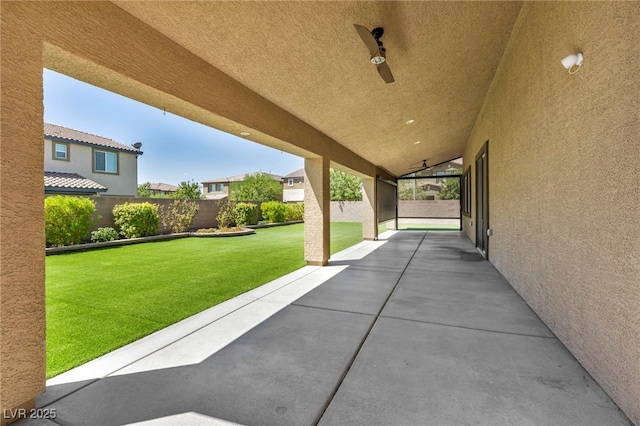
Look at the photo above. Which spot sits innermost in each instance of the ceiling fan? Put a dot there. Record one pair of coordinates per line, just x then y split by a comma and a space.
376, 49
422, 167
415, 170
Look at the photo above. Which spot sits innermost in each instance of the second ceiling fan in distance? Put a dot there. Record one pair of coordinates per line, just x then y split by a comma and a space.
378, 53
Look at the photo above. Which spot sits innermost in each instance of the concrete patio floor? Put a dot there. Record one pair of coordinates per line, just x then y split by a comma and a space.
410, 330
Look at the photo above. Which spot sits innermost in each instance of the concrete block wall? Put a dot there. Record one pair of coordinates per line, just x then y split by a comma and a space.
346, 211
449, 209
351, 211
206, 218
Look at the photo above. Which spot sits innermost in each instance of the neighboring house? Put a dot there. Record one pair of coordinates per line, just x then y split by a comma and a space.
59, 183
91, 159
217, 189
293, 187
162, 188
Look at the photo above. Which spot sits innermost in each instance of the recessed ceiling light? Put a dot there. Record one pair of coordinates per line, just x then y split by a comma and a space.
417, 142
245, 133
409, 121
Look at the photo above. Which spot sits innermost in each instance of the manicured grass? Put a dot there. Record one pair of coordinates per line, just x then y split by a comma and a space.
345, 234
100, 300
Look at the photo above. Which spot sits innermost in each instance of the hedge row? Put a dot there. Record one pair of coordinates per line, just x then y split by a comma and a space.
69, 219
274, 211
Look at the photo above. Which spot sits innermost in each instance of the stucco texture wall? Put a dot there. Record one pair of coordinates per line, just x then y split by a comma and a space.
22, 313
564, 177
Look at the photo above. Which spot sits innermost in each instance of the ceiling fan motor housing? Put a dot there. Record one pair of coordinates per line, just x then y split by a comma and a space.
379, 57
377, 33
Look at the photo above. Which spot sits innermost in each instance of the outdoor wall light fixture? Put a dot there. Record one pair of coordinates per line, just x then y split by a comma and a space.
572, 63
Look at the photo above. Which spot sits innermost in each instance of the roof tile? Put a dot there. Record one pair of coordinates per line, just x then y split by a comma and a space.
297, 174
70, 180
78, 136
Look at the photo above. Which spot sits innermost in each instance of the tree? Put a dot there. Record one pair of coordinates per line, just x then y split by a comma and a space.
258, 187
344, 187
144, 190
410, 190
450, 189
188, 190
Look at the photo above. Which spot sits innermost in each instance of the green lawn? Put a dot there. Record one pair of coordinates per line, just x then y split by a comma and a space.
100, 300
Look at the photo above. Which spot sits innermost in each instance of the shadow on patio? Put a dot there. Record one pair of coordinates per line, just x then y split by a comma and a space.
416, 329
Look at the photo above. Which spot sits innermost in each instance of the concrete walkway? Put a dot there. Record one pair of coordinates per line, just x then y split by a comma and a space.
416, 329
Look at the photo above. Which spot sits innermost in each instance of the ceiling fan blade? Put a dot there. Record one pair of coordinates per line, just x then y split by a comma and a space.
385, 72
368, 39
423, 165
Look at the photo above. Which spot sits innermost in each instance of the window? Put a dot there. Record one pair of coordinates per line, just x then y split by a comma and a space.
61, 151
220, 187
438, 180
466, 193
105, 162
212, 187
290, 182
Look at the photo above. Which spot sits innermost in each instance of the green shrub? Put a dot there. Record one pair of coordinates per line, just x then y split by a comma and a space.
294, 212
179, 216
104, 234
273, 211
136, 219
225, 216
245, 214
67, 219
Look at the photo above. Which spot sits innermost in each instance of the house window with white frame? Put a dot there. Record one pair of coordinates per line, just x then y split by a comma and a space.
61, 151
290, 182
105, 162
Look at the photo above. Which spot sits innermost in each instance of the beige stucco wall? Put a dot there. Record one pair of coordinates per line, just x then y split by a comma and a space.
125, 182
317, 210
564, 176
22, 314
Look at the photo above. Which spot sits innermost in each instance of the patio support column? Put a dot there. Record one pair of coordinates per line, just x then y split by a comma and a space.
317, 213
22, 279
369, 210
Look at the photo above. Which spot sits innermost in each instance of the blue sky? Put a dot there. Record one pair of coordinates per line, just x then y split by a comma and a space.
175, 149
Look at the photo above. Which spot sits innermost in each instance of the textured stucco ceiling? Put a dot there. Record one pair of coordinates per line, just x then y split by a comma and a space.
307, 58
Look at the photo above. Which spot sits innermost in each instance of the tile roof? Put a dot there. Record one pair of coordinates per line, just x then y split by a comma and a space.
163, 187
241, 177
77, 136
297, 174
70, 180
